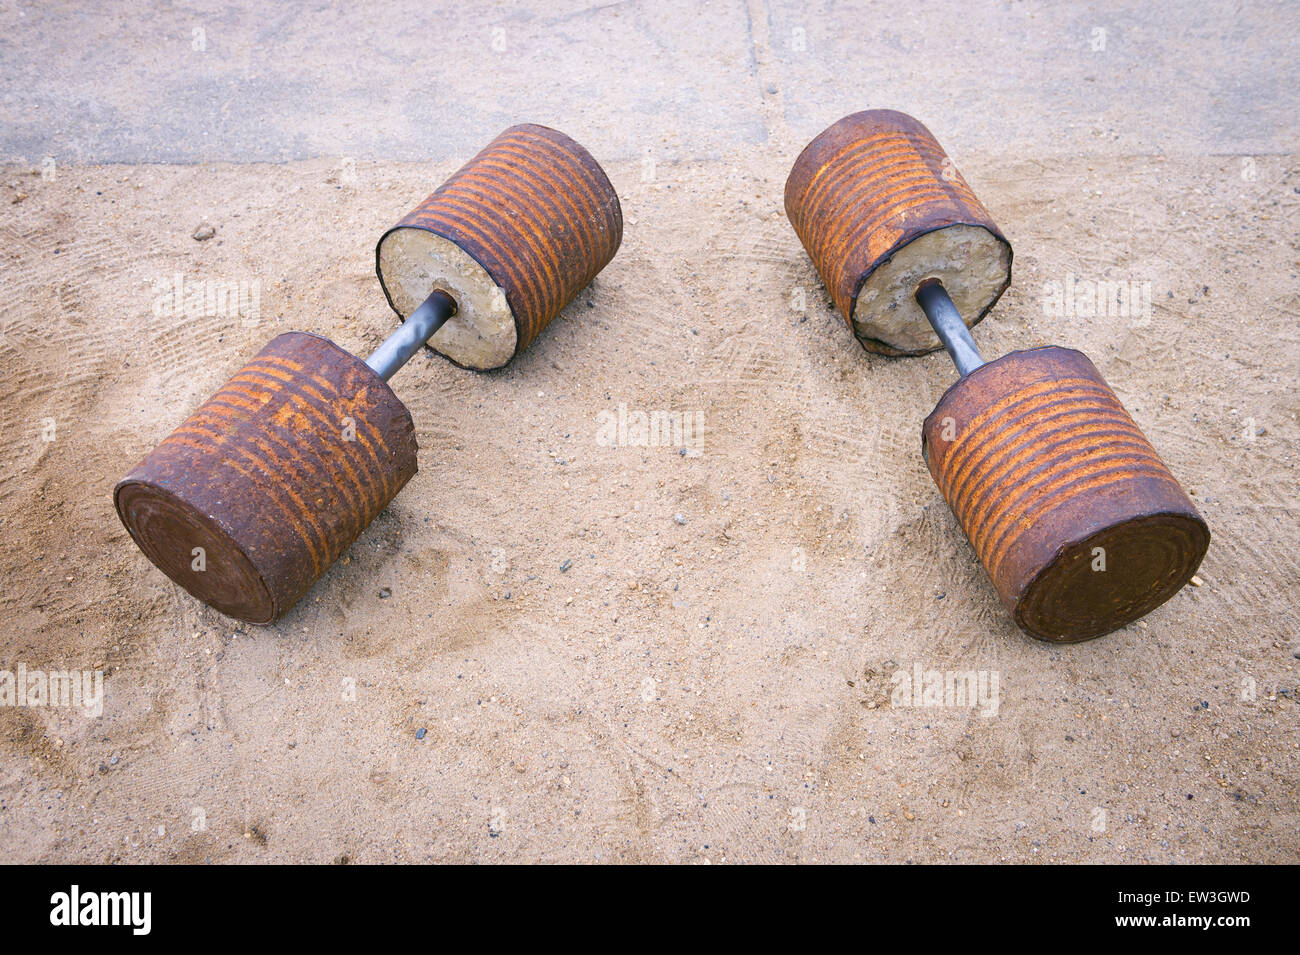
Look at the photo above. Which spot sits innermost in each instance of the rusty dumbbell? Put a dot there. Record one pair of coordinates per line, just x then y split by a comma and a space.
1078, 522
261, 489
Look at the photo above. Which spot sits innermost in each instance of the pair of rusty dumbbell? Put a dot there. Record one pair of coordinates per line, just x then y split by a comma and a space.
1080, 526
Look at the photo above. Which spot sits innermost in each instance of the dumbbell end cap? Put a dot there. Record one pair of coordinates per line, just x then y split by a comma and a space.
170, 532
513, 236
1151, 557
880, 210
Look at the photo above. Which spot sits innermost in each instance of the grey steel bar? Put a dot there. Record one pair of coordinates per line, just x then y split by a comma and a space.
947, 323
418, 328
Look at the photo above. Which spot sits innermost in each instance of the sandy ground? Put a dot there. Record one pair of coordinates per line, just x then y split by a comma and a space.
709, 680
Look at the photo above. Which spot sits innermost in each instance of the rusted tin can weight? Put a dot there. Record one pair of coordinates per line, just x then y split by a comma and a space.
1079, 524
266, 484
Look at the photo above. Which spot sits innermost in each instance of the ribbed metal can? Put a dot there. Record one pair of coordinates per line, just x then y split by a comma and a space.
261, 489
1079, 523
880, 209
514, 235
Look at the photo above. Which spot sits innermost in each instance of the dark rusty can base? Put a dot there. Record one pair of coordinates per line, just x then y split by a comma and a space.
1153, 557
272, 478
167, 530
1078, 522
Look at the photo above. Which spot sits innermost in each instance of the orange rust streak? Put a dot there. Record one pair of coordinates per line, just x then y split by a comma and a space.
376, 495
545, 265
262, 396
890, 138
235, 400
1015, 442
987, 507
922, 195
906, 193
976, 424
457, 222
355, 499
559, 193
300, 403
576, 189
1118, 475
589, 185
470, 214
488, 190
871, 163
1032, 493
332, 552
227, 416
263, 483
821, 217
869, 167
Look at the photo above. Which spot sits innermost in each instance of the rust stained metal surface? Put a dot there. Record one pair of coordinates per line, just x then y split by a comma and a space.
263, 487
868, 186
1078, 522
536, 211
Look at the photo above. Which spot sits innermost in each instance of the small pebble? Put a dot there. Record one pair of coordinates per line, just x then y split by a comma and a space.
680, 518
204, 232
385, 593
1196, 581
566, 565
419, 734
